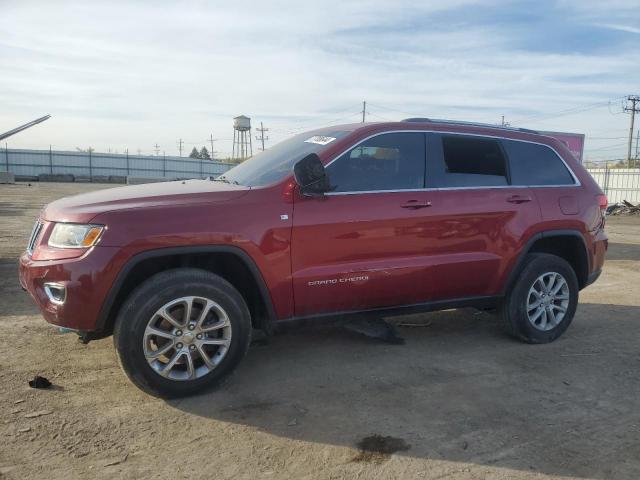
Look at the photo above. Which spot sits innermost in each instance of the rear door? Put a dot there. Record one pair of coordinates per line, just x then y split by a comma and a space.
364, 245
540, 166
479, 218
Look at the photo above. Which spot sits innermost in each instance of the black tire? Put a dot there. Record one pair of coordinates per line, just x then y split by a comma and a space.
156, 292
514, 308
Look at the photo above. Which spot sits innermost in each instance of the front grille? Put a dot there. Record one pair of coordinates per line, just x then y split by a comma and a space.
35, 233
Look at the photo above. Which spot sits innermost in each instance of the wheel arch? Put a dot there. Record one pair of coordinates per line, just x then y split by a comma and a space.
231, 263
573, 250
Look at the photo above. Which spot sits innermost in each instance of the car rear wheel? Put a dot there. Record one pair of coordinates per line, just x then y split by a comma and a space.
182, 331
541, 304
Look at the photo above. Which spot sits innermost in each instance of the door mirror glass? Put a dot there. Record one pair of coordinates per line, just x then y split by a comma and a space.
310, 175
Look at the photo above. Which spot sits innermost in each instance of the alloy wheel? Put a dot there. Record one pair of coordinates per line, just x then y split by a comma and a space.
548, 301
187, 338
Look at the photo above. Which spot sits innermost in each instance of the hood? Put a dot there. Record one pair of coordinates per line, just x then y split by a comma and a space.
82, 208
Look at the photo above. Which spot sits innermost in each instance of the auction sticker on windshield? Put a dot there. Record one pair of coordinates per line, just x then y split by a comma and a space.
320, 140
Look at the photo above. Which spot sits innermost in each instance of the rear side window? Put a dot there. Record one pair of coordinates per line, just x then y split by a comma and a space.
533, 164
390, 161
472, 162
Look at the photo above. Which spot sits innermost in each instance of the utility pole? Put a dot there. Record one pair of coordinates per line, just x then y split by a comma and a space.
632, 106
262, 138
180, 142
211, 139
156, 148
364, 110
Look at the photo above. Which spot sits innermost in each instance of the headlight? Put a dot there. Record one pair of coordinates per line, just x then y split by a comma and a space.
74, 235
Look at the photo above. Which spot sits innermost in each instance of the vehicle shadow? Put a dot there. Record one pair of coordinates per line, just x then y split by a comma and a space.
458, 390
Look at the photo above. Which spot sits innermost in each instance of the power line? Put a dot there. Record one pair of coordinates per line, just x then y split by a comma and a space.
607, 147
411, 114
568, 111
605, 138
304, 125
380, 117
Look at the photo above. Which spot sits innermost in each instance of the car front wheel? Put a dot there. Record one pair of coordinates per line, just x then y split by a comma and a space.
181, 331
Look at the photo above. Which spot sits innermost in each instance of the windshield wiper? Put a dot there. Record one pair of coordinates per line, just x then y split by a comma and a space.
222, 178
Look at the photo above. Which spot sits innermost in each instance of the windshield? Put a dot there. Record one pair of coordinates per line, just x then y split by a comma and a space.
275, 163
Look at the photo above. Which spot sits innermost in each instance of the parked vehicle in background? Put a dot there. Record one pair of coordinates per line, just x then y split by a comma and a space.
382, 218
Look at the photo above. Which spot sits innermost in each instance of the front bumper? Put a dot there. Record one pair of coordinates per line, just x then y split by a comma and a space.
86, 280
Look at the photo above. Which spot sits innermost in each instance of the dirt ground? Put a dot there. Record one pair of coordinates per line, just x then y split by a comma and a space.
459, 401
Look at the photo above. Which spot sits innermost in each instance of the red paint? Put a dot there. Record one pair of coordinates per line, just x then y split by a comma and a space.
336, 253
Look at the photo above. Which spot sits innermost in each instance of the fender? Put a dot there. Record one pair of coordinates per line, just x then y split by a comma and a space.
519, 264
169, 251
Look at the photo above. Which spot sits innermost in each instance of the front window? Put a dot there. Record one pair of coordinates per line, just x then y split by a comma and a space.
274, 164
386, 162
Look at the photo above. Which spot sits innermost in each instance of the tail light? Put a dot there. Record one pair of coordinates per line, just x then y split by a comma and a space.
602, 202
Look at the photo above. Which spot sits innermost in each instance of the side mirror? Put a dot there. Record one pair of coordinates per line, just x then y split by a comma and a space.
310, 175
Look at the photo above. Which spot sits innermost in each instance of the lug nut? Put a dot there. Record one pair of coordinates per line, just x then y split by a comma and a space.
191, 326
178, 346
199, 336
178, 332
192, 347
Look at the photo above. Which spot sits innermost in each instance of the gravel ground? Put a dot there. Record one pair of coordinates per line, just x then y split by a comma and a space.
459, 401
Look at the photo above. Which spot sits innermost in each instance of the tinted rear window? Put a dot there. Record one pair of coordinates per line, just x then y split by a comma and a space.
472, 162
534, 164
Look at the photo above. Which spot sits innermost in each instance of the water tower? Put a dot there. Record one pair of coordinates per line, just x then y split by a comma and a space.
242, 148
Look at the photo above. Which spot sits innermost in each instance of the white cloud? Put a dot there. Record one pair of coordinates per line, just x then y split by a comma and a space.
118, 74
622, 28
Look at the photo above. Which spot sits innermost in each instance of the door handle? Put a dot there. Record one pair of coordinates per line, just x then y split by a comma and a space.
518, 199
415, 204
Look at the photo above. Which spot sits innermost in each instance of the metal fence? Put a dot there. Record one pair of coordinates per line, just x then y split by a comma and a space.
31, 163
618, 183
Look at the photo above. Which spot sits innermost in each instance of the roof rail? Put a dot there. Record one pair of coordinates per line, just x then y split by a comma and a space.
461, 122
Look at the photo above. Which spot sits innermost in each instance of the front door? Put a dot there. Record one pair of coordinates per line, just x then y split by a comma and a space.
365, 244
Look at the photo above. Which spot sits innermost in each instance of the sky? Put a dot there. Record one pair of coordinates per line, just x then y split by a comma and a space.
119, 75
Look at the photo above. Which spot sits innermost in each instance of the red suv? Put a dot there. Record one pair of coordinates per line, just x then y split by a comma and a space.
386, 218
